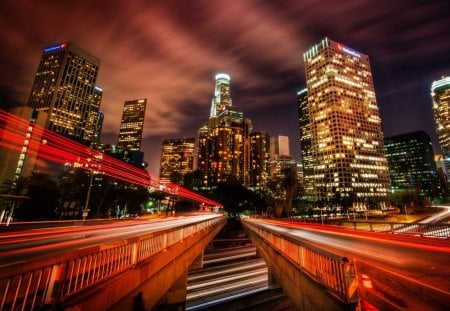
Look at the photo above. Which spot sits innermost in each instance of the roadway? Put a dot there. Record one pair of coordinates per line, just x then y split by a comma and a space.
33, 244
424, 260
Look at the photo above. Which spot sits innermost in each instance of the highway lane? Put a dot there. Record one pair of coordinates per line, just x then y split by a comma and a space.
35, 244
422, 259
226, 277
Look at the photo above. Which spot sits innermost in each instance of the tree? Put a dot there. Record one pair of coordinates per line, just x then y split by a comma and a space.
193, 180
15, 189
176, 177
43, 202
289, 184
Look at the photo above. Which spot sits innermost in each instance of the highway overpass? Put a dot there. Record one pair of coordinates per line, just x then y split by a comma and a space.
330, 268
121, 265
117, 266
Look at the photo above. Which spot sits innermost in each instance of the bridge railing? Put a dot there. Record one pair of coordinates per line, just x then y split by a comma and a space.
420, 229
337, 274
45, 282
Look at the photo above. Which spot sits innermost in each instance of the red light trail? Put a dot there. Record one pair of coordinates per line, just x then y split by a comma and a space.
24, 136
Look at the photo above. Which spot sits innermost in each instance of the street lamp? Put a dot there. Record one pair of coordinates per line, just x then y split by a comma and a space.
86, 205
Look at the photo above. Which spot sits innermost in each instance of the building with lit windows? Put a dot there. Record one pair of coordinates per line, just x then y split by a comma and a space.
223, 150
440, 94
347, 149
259, 159
305, 143
20, 161
94, 123
132, 125
177, 156
64, 88
411, 163
280, 156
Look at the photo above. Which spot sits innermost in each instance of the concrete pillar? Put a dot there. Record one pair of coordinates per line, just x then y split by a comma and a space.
198, 262
271, 281
176, 295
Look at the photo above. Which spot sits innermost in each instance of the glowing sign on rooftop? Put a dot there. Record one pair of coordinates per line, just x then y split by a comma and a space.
348, 51
55, 47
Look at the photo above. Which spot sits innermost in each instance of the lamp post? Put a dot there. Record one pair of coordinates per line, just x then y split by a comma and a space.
88, 196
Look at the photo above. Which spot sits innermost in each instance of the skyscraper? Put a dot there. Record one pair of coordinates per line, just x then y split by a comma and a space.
132, 125
259, 159
64, 88
411, 163
223, 150
440, 94
222, 96
280, 157
305, 143
95, 118
346, 136
177, 156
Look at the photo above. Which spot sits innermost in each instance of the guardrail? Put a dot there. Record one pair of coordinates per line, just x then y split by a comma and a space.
431, 230
337, 274
55, 279
420, 229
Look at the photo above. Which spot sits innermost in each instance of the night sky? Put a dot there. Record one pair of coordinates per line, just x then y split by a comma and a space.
170, 51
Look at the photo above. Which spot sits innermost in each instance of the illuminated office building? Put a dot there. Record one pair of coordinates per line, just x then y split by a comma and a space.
411, 163
64, 88
177, 156
279, 145
20, 161
95, 118
222, 96
280, 157
259, 159
132, 125
223, 150
305, 144
346, 136
440, 94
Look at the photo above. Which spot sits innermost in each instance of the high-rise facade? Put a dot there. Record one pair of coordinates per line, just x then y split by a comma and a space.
259, 159
411, 163
64, 88
222, 95
346, 135
223, 150
279, 145
440, 94
177, 156
95, 118
280, 157
305, 143
132, 125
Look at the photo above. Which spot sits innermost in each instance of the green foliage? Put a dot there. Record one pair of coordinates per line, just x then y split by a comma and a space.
236, 198
44, 194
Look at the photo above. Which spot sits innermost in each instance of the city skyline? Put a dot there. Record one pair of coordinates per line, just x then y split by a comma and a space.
148, 51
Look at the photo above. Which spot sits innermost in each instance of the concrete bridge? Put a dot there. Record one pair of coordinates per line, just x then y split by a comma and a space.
139, 272
335, 269
149, 268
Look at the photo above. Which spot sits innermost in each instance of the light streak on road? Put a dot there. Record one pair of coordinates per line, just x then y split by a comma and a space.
63, 240
422, 259
55, 148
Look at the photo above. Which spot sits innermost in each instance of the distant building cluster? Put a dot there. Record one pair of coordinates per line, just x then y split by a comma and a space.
343, 149
65, 99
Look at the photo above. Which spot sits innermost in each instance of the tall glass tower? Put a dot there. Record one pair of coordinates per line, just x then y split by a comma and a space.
132, 125
223, 149
346, 137
64, 88
440, 94
222, 96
